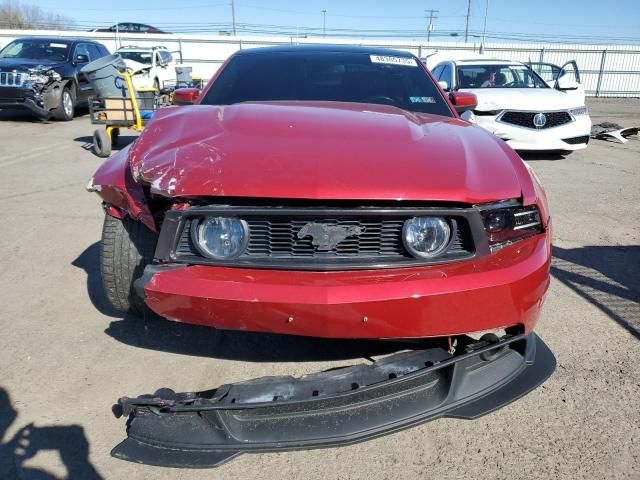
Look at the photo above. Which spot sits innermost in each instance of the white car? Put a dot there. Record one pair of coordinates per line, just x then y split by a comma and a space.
517, 105
153, 67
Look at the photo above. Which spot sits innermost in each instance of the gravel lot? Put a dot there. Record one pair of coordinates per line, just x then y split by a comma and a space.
65, 356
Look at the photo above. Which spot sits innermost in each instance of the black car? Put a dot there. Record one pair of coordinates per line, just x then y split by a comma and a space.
130, 27
42, 74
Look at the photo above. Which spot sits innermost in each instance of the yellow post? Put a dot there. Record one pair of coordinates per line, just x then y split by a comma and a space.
134, 100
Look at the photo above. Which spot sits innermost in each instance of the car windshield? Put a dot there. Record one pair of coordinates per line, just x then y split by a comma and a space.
36, 50
331, 76
498, 76
140, 57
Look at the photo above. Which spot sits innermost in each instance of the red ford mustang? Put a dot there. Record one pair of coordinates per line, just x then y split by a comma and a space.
331, 192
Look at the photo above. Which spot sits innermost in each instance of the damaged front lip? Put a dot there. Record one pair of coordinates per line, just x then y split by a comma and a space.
336, 407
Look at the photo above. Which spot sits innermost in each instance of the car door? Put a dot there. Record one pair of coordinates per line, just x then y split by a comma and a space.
85, 90
167, 68
565, 78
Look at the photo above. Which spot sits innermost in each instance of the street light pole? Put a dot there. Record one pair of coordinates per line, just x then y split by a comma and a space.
324, 23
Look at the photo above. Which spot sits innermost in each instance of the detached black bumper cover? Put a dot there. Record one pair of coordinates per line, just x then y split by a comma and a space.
331, 408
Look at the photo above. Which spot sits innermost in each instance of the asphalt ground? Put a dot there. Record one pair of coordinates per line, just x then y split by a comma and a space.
66, 356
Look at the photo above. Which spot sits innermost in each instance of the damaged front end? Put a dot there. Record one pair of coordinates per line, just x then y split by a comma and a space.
46, 85
336, 407
39, 90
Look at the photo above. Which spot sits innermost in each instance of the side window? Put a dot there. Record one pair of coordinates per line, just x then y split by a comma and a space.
143, 28
437, 71
82, 49
94, 52
447, 75
165, 57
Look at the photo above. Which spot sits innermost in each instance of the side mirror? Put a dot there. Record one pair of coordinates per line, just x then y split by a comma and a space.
463, 101
80, 58
444, 85
185, 96
469, 116
565, 83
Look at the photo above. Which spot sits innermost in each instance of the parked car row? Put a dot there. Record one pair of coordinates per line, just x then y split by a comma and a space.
539, 106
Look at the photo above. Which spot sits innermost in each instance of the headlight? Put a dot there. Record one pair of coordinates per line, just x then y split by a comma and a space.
221, 238
505, 223
43, 75
583, 110
426, 237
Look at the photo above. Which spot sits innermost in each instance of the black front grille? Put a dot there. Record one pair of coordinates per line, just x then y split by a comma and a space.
525, 119
576, 140
273, 241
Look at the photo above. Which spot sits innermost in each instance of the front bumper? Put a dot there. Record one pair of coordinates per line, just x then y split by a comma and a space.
495, 291
336, 407
521, 138
13, 98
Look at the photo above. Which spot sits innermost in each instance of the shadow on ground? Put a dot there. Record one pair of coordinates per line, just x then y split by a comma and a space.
156, 333
87, 141
606, 277
549, 155
68, 440
26, 116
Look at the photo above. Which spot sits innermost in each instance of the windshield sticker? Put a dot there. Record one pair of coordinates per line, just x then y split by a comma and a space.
58, 45
422, 100
389, 60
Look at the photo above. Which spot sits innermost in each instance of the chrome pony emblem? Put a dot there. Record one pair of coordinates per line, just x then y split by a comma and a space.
539, 120
326, 237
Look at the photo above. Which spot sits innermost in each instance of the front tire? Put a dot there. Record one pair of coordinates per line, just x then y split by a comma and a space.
127, 247
102, 143
66, 106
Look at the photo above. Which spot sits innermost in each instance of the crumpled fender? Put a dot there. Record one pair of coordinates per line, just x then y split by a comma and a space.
114, 183
52, 93
174, 144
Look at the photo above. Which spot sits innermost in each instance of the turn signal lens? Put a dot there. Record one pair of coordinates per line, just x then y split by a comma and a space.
505, 225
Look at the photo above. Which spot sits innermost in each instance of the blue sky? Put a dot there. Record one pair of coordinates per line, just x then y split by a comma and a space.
553, 18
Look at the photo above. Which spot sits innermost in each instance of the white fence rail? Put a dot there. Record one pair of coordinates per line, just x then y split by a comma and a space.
606, 70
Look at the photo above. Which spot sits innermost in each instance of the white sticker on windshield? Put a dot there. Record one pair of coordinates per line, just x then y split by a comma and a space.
58, 45
389, 60
422, 100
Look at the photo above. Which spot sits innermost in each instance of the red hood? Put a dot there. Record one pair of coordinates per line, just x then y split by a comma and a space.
322, 151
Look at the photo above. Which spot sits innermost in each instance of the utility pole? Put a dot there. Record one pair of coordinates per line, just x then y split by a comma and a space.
233, 16
466, 28
484, 29
430, 27
324, 23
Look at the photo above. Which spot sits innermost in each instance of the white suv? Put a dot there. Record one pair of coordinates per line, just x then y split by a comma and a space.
153, 67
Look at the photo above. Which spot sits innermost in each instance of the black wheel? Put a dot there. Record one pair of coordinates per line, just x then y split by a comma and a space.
66, 106
115, 136
127, 247
101, 143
